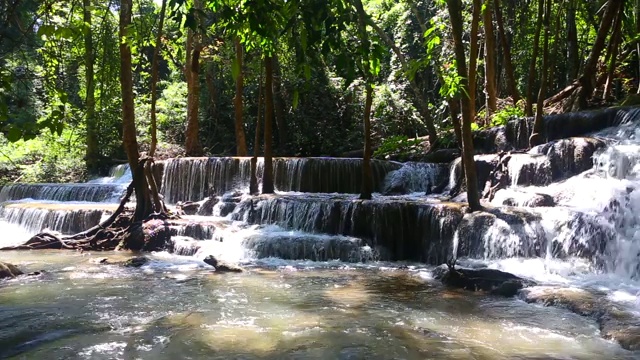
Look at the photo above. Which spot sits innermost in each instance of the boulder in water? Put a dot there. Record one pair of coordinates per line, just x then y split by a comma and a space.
9, 270
494, 281
137, 261
515, 197
614, 323
188, 207
206, 206
222, 266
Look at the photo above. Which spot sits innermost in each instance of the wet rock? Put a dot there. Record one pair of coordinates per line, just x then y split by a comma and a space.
442, 156
206, 206
9, 270
222, 266
516, 197
136, 261
226, 208
615, 324
494, 281
529, 169
569, 157
484, 166
188, 208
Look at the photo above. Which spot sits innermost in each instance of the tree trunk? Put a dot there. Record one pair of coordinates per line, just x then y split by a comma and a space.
473, 196
129, 140
192, 70
615, 43
367, 177
241, 141
267, 176
638, 43
473, 56
538, 125
154, 81
553, 60
93, 152
253, 183
589, 73
506, 52
573, 57
534, 57
490, 61
278, 103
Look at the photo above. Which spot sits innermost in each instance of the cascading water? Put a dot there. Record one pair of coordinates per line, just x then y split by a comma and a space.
193, 179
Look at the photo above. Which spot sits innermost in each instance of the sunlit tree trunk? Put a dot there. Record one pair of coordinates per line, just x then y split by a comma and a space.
130, 142
533, 59
278, 104
241, 141
614, 45
267, 176
253, 184
192, 72
367, 178
154, 81
573, 59
506, 52
473, 196
536, 137
490, 60
589, 73
93, 152
473, 56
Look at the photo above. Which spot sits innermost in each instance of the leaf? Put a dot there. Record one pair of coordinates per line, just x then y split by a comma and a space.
296, 98
235, 69
46, 30
14, 134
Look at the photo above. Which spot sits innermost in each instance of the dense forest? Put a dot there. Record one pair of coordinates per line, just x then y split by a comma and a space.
302, 78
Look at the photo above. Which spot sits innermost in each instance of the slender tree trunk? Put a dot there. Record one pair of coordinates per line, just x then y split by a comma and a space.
490, 61
241, 142
473, 55
367, 176
588, 78
367, 179
253, 185
534, 57
278, 104
473, 196
93, 151
538, 125
154, 81
267, 176
192, 69
129, 140
573, 58
553, 60
638, 43
506, 52
615, 44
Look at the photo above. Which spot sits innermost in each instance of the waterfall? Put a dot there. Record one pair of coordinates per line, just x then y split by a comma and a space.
37, 219
63, 192
407, 230
417, 177
193, 179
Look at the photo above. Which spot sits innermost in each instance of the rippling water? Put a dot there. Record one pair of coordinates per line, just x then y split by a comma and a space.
176, 307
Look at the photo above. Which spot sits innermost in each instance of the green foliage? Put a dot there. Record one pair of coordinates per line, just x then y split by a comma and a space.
172, 112
46, 158
502, 116
398, 146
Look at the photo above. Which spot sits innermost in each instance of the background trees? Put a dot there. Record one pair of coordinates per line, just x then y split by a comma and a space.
60, 69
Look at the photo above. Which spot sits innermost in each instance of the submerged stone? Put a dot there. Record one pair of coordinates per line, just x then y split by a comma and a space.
136, 261
9, 270
494, 281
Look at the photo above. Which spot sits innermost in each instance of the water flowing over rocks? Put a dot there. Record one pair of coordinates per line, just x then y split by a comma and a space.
63, 192
415, 177
193, 179
405, 229
36, 217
